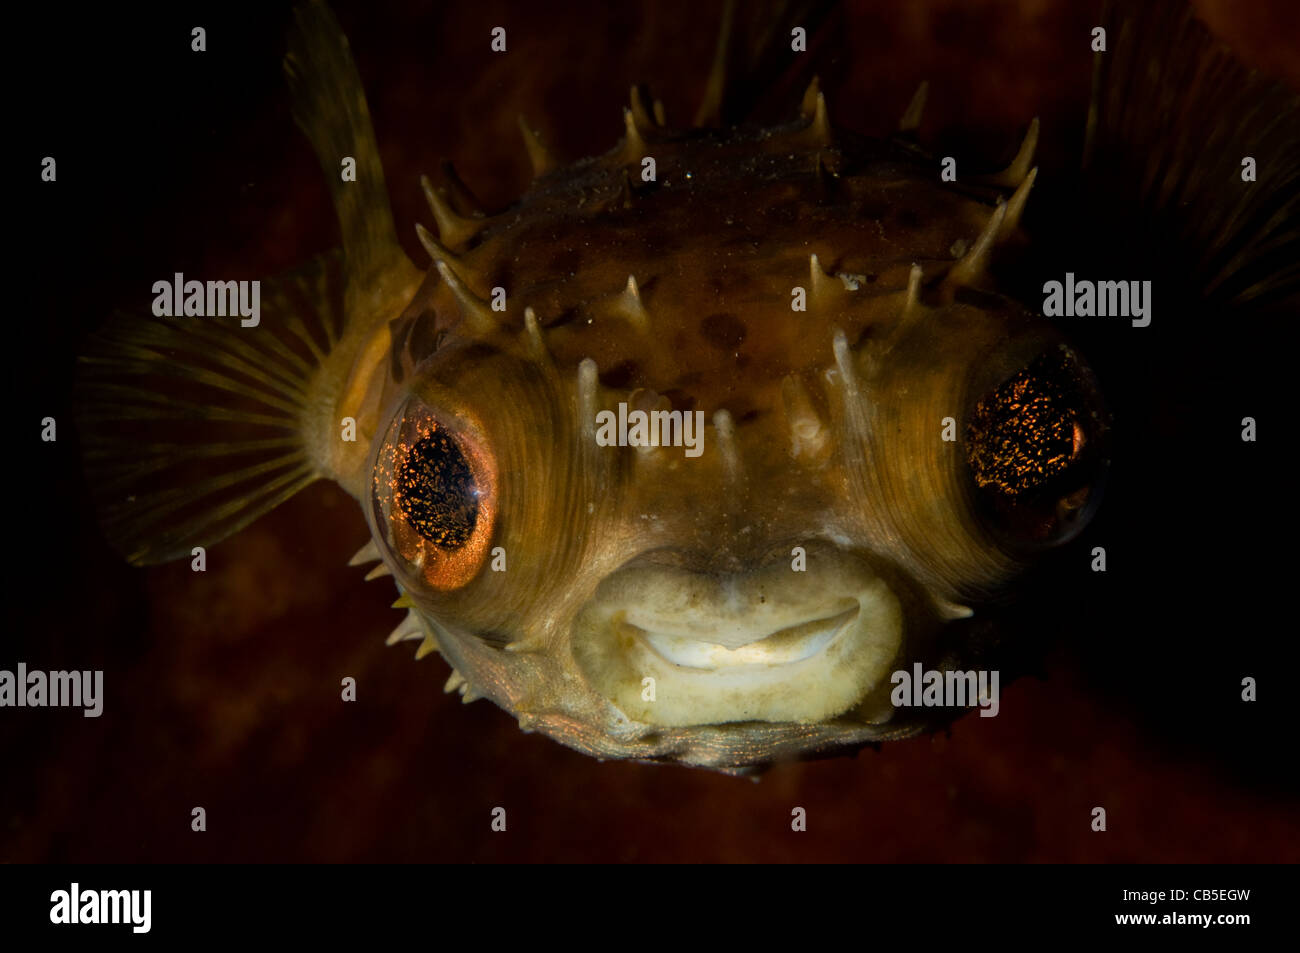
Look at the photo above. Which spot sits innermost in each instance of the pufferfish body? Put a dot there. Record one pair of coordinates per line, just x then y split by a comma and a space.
667, 468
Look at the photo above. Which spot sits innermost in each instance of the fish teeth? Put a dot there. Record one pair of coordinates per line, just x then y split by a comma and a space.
427, 647
378, 572
454, 681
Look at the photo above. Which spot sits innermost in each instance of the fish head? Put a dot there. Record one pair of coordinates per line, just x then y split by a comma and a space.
704, 515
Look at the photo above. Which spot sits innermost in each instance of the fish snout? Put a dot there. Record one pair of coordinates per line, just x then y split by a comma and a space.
672, 645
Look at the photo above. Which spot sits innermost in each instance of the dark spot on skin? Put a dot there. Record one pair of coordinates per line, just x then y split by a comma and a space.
566, 262
500, 276
657, 241
724, 331
863, 335
680, 400
908, 218
622, 376
786, 214
876, 211
564, 317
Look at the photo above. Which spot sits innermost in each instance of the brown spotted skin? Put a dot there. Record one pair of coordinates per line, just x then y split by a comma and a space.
715, 266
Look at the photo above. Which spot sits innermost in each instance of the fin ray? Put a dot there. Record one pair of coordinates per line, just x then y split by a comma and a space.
329, 105
1173, 115
193, 427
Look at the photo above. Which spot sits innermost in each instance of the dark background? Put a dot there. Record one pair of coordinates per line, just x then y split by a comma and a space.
222, 688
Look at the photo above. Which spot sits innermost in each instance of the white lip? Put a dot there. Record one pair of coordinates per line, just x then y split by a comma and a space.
672, 647
783, 647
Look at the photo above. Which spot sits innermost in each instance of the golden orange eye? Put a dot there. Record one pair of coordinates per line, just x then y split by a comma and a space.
434, 495
1035, 447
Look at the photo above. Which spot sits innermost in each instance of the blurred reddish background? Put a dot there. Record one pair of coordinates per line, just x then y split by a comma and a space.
223, 687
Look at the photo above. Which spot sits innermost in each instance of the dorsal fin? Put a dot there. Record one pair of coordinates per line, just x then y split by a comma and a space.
329, 105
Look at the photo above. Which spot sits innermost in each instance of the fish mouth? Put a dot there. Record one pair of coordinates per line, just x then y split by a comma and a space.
789, 645
673, 647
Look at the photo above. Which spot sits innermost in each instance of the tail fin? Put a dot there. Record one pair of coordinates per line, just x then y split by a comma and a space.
1174, 117
193, 426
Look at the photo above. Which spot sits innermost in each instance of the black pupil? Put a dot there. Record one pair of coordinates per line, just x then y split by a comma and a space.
437, 491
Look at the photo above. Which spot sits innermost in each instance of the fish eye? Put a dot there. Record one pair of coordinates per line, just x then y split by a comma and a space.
1035, 446
433, 497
